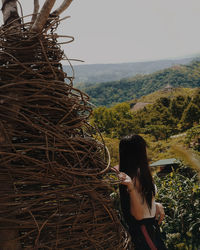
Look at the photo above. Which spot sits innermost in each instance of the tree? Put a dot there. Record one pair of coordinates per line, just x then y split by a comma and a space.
164, 101
103, 119
116, 121
158, 131
196, 98
193, 138
190, 115
10, 13
178, 105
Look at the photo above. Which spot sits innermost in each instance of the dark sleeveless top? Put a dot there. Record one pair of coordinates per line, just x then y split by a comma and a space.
146, 234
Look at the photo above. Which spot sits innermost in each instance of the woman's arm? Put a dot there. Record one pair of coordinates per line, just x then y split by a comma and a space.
136, 206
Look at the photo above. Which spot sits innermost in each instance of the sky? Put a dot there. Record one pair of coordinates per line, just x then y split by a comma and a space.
116, 31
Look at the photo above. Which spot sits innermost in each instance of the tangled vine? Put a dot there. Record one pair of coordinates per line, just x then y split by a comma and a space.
52, 191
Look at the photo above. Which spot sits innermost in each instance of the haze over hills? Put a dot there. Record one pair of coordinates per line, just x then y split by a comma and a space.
95, 73
111, 93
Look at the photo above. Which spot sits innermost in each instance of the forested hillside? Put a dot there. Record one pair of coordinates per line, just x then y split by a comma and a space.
94, 73
165, 117
110, 93
174, 92
157, 122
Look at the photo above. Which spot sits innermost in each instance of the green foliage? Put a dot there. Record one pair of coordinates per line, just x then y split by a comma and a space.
196, 98
161, 119
113, 147
114, 122
174, 93
179, 192
162, 149
110, 93
193, 138
158, 131
178, 105
190, 115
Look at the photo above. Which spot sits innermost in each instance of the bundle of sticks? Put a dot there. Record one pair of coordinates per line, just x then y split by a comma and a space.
52, 189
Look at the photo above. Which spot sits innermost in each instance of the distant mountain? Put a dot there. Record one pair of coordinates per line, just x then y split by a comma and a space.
110, 93
95, 73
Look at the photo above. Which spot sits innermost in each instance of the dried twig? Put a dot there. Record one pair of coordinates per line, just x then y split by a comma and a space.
43, 16
35, 11
63, 7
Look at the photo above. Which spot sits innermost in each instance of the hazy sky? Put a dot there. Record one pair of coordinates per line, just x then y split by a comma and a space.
113, 31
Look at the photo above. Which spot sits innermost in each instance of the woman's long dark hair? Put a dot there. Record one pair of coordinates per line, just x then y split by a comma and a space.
134, 162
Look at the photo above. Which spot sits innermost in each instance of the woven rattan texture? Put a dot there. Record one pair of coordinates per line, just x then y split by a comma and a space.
52, 191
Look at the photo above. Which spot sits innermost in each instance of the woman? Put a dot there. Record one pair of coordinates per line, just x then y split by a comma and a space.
137, 195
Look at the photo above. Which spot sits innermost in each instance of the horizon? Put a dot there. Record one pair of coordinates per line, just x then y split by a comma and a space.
197, 55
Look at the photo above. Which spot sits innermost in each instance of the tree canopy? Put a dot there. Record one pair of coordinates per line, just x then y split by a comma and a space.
111, 93
163, 118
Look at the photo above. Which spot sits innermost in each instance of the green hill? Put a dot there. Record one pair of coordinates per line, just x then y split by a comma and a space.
93, 73
139, 104
164, 117
150, 98
110, 93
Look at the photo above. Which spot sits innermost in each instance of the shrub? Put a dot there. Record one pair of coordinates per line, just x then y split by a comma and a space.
179, 193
